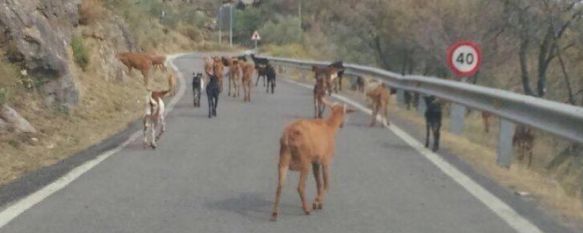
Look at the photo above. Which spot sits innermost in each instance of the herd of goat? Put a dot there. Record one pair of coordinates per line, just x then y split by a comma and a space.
305, 143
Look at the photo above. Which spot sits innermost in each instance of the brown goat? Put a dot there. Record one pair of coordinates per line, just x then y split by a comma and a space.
158, 61
137, 61
329, 73
247, 80
380, 100
309, 142
219, 70
234, 77
524, 139
319, 93
209, 65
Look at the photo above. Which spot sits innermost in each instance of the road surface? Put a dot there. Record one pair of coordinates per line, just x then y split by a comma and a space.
219, 175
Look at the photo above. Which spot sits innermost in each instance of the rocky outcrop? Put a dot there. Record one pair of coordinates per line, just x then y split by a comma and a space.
37, 34
11, 120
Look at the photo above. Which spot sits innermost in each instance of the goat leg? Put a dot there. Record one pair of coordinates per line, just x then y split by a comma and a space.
436, 132
318, 178
428, 128
302, 189
326, 173
282, 172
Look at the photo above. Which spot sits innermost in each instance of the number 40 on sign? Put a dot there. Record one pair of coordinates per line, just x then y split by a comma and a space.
464, 58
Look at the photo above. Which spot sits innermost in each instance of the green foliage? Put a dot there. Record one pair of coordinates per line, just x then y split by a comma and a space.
284, 31
245, 23
80, 53
3, 95
287, 50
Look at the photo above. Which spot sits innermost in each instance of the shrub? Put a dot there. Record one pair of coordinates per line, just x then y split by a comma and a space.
286, 30
80, 53
90, 11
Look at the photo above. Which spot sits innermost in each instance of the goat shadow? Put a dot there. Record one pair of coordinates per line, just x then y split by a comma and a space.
253, 206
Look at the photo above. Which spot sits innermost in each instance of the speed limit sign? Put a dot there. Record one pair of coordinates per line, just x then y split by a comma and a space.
464, 58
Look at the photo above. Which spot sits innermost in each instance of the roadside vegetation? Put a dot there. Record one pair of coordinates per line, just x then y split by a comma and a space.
530, 47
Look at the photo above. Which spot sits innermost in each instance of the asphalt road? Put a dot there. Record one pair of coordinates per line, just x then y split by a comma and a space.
219, 175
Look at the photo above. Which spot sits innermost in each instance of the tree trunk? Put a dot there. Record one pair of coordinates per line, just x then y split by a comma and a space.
379, 50
571, 97
523, 53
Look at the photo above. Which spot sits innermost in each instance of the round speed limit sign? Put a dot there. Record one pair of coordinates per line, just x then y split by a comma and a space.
464, 58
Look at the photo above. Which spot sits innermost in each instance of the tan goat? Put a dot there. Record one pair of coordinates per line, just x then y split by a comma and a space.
309, 142
154, 114
247, 80
380, 101
234, 77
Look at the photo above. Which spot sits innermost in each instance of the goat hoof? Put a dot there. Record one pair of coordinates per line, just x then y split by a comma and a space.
317, 206
274, 217
307, 212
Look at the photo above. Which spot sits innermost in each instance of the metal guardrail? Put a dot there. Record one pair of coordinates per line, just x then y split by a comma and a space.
560, 119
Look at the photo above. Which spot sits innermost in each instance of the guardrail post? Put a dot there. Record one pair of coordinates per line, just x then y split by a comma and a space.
505, 149
421, 107
457, 115
401, 98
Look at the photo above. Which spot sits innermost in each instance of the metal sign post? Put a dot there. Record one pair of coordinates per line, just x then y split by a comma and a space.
255, 37
463, 58
231, 26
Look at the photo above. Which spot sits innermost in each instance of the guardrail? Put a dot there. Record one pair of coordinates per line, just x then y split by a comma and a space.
560, 119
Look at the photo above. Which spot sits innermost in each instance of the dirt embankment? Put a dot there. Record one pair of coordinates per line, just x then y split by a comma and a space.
61, 82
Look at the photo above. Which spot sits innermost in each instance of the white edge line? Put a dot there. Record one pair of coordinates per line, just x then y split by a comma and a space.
499, 207
17, 208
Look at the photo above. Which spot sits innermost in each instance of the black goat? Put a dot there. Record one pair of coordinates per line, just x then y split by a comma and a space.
271, 75
212, 92
197, 83
261, 67
433, 117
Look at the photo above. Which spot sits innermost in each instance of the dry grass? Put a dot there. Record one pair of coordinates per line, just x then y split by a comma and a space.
479, 150
91, 11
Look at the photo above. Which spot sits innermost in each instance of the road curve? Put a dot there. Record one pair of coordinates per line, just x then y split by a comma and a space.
219, 175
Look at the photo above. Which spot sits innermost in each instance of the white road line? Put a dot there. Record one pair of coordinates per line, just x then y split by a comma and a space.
499, 207
20, 206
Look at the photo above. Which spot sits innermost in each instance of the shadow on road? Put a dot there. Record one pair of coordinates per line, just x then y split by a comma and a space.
253, 206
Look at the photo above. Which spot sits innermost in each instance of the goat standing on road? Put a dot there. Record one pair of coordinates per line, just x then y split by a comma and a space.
380, 101
339, 65
432, 120
247, 80
271, 75
305, 144
154, 116
329, 73
197, 84
261, 67
212, 92
319, 93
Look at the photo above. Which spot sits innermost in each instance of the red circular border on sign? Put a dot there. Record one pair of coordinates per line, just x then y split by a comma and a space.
457, 72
